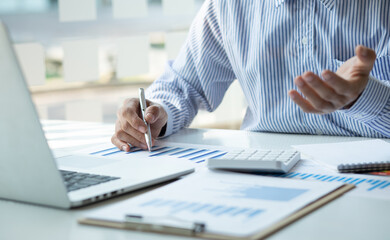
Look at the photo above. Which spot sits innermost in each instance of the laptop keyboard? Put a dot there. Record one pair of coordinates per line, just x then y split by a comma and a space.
77, 180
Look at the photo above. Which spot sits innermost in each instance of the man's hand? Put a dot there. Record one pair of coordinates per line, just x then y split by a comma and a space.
337, 90
130, 128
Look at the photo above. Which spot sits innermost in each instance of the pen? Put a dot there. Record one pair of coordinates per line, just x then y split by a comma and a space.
142, 102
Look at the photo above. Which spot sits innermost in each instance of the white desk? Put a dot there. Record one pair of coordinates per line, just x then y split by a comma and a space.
345, 218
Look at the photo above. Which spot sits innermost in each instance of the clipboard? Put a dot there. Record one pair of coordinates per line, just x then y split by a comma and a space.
199, 230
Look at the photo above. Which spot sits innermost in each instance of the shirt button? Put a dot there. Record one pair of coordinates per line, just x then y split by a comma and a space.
304, 40
318, 132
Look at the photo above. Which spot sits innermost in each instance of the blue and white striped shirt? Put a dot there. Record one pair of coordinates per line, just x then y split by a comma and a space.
265, 45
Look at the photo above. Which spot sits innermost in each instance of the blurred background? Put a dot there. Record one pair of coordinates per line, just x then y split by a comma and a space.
82, 58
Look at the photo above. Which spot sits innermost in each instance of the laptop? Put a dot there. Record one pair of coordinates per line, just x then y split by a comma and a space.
29, 172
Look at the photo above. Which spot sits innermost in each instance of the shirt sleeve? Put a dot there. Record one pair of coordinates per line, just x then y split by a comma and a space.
373, 106
200, 75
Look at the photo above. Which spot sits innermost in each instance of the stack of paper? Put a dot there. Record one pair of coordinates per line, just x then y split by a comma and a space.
228, 204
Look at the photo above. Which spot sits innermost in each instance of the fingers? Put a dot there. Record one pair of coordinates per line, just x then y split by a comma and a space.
130, 127
317, 93
120, 144
341, 86
126, 128
336, 90
302, 103
335, 81
157, 117
131, 113
322, 96
121, 139
320, 90
152, 113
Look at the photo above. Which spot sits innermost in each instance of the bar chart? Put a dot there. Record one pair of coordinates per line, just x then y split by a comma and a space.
366, 185
371, 183
196, 155
201, 208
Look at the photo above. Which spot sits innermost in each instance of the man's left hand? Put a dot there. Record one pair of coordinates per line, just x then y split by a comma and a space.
338, 90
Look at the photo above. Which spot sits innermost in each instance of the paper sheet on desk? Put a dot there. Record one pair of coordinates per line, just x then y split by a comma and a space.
228, 203
366, 185
334, 154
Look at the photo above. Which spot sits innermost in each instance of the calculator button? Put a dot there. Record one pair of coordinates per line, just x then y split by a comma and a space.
229, 156
284, 159
263, 151
244, 155
258, 155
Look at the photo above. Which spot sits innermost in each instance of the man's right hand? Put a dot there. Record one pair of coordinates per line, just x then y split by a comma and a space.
130, 128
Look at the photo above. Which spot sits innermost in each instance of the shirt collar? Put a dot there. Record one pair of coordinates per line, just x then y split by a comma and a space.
327, 3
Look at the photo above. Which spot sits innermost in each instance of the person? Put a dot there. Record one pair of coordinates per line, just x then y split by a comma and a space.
307, 67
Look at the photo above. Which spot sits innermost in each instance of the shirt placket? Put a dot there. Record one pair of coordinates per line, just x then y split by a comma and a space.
310, 64
304, 44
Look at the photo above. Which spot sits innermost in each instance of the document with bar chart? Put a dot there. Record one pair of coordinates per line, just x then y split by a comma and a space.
227, 203
366, 185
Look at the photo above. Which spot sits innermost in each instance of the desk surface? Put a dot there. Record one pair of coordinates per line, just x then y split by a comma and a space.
345, 218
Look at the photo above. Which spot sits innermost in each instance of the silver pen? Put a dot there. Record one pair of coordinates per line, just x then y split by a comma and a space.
142, 102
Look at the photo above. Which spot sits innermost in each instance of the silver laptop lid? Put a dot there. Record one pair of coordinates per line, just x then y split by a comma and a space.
28, 169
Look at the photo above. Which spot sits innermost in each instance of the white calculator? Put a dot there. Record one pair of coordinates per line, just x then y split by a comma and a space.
256, 160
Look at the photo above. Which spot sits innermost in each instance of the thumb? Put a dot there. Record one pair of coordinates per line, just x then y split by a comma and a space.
157, 117
366, 57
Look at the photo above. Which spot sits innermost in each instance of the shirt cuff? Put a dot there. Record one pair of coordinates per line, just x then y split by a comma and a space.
169, 129
371, 103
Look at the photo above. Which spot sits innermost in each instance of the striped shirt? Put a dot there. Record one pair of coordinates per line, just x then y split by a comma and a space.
265, 44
